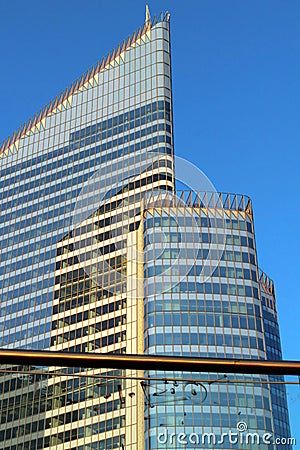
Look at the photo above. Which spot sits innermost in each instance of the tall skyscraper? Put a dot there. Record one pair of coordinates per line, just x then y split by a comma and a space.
101, 253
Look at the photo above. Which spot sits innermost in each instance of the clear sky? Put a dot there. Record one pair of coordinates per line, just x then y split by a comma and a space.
236, 85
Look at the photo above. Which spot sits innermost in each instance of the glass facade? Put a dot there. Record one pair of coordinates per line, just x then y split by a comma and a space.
273, 351
100, 253
224, 315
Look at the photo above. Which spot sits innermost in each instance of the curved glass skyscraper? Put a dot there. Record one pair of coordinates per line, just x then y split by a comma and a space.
101, 253
206, 297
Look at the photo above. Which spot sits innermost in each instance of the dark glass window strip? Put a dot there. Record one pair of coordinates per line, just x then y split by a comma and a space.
90, 329
98, 343
122, 120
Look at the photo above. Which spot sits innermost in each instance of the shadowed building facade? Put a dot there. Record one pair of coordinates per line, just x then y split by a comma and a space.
100, 253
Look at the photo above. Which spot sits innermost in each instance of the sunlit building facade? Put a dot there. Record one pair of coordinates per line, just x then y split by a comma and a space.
206, 297
100, 253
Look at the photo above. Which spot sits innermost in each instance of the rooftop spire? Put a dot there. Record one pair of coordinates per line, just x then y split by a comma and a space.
147, 13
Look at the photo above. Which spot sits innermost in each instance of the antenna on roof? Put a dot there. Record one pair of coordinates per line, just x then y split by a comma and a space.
147, 13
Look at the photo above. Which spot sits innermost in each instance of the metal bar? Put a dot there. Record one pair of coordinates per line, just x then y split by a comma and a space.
100, 376
145, 362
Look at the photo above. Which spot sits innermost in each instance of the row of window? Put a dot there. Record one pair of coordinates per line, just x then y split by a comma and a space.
204, 319
76, 393
202, 288
110, 206
195, 253
42, 243
33, 427
268, 303
86, 387
37, 402
32, 286
52, 225
74, 275
95, 428
259, 422
21, 406
33, 444
23, 304
164, 236
115, 262
273, 341
18, 276
97, 343
42, 443
229, 272
278, 393
30, 274
196, 339
239, 240
71, 383
89, 330
91, 297
197, 270
22, 319
76, 289
95, 225
271, 328
214, 399
269, 316
90, 313
131, 200
33, 329
203, 222
107, 444
19, 380
273, 353
122, 189
207, 305
238, 256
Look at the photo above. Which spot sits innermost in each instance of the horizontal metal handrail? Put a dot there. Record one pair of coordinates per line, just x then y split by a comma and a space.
148, 362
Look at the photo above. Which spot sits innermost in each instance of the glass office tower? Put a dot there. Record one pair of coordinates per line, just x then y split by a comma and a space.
205, 296
88, 198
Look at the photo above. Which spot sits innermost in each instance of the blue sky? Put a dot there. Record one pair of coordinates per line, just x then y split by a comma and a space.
236, 85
